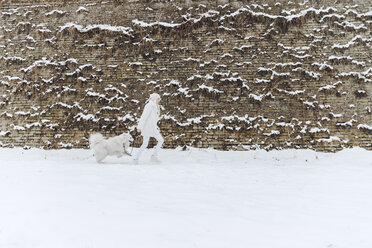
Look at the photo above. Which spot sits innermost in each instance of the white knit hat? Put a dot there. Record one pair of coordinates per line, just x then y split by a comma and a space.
154, 96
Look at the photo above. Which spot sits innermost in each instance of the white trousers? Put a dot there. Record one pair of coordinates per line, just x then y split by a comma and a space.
145, 142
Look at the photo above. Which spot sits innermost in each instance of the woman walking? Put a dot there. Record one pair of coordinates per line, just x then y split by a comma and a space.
148, 127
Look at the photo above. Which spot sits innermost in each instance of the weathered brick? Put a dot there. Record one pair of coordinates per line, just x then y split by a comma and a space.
232, 74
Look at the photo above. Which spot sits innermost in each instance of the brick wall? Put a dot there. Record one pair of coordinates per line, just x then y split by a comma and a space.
232, 74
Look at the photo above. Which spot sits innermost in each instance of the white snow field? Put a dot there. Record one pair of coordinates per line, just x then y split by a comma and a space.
194, 199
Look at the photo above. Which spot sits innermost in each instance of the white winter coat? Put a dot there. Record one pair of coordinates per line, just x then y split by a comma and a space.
148, 123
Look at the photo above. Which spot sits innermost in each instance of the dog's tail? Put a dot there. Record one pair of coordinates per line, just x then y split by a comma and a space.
95, 138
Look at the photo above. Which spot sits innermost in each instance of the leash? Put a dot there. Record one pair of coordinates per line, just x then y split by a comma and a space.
132, 144
131, 151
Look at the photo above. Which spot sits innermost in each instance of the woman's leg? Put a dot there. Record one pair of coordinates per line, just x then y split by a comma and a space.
160, 140
143, 147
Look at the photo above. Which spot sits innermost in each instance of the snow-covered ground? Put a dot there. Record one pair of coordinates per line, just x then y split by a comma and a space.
195, 198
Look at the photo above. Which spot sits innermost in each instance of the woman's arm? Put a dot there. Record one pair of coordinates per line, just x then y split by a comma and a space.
144, 117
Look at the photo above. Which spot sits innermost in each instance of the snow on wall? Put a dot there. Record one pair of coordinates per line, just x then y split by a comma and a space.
232, 74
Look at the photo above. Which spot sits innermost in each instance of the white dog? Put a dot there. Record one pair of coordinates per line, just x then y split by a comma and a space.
103, 147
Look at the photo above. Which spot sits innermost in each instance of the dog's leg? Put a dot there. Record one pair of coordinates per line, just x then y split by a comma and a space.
99, 156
